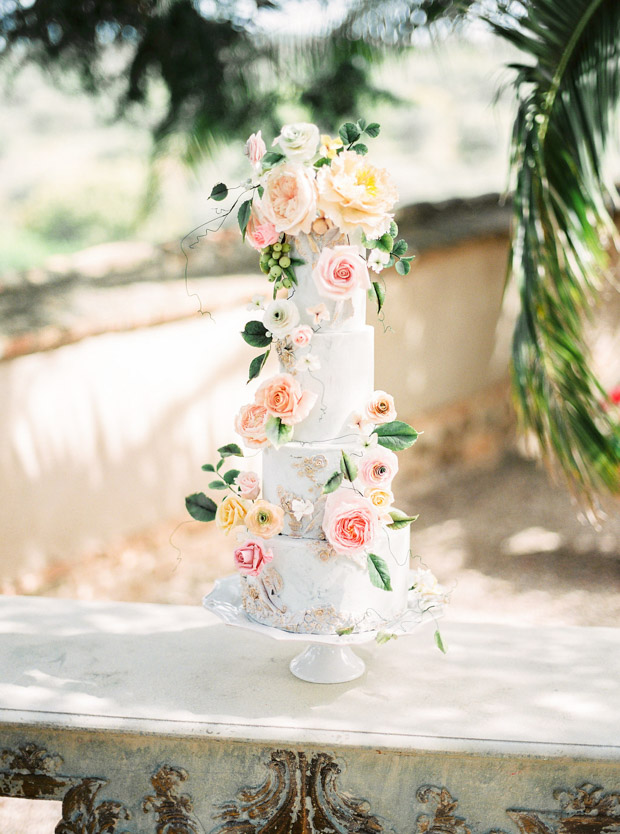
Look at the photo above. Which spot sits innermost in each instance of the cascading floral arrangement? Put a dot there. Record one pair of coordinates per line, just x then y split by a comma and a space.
312, 184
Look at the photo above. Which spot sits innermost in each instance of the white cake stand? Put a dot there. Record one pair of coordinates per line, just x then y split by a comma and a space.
329, 658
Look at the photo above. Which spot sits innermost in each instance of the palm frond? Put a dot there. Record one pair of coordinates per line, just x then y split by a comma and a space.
563, 229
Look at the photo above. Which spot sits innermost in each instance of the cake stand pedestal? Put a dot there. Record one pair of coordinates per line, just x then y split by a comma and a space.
329, 658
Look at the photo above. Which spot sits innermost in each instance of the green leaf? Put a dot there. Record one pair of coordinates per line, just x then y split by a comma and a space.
360, 149
384, 637
439, 642
230, 450
243, 216
256, 365
332, 483
323, 160
342, 631
361, 123
217, 485
219, 465
385, 243
400, 520
230, 476
297, 262
349, 133
347, 467
200, 507
373, 130
255, 334
218, 192
400, 247
278, 432
208, 467
378, 293
396, 435
379, 572
271, 158
402, 267
260, 190
393, 230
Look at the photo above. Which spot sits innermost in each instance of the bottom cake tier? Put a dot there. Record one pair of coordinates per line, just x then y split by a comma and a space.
308, 588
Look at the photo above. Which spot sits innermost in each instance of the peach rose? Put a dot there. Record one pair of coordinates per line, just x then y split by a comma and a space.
378, 467
264, 519
249, 485
350, 522
289, 199
302, 335
255, 149
259, 231
250, 558
230, 513
283, 397
355, 194
250, 424
380, 408
339, 272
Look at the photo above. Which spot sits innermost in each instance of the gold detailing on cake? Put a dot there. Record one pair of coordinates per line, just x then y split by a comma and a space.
310, 467
285, 351
174, 810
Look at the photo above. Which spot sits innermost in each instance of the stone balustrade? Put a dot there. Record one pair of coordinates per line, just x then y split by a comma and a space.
148, 718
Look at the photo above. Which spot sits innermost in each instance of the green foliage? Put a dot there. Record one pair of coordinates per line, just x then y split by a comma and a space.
379, 572
378, 293
332, 483
243, 216
200, 507
278, 432
347, 467
400, 520
256, 365
218, 192
230, 450
396, 435
255, 334
439, 642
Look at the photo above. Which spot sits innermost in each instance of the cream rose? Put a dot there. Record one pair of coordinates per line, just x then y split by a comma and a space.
264, 519
255, 149
250, 424
339, 272
355, 194
230, 513
282, 396
298, 142
350, 522
302, 335
380, 408
378, 467
259, 231
248, 484
281, 318
289, 199
250, 558
382, 499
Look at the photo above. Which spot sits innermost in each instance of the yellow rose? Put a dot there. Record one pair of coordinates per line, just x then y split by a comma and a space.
231, 512
353, 193
264, 519
381, 498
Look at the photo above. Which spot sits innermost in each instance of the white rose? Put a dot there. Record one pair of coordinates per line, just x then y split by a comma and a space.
281, 318
299, 142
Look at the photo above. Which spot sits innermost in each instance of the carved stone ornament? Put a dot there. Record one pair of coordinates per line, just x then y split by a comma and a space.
174, 810
300, 795
31, 772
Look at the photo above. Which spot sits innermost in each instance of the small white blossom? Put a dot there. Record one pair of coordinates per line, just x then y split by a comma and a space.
301, 508
361, 423
428, 589
257, 303
377, 260
308, 363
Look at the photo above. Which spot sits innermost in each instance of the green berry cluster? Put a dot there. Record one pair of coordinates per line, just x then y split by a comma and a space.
274, 261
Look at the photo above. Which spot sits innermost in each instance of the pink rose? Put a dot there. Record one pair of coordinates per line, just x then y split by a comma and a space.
250, 558
289, 199
260, 232
255, 149
350, 522
377, 467
339, 272
249, 485
250, 424
380, 408
302, 335
283, 397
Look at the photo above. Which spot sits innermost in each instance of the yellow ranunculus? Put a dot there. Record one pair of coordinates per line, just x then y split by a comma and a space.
231, 512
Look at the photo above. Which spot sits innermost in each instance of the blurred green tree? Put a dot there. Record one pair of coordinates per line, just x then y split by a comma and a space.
225, 74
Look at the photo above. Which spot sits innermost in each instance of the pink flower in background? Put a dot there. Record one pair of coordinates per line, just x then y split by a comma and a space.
380, 408
249, 485
320, 313
378, 467
302, 335
339, 272
255, 149
250, 424
282, 396
289, 199
260, 232
250, 558
350, 522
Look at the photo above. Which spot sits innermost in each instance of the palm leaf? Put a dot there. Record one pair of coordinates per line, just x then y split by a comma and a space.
562, 229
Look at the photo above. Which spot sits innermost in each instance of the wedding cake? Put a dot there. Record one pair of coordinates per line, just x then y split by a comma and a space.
319, 546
